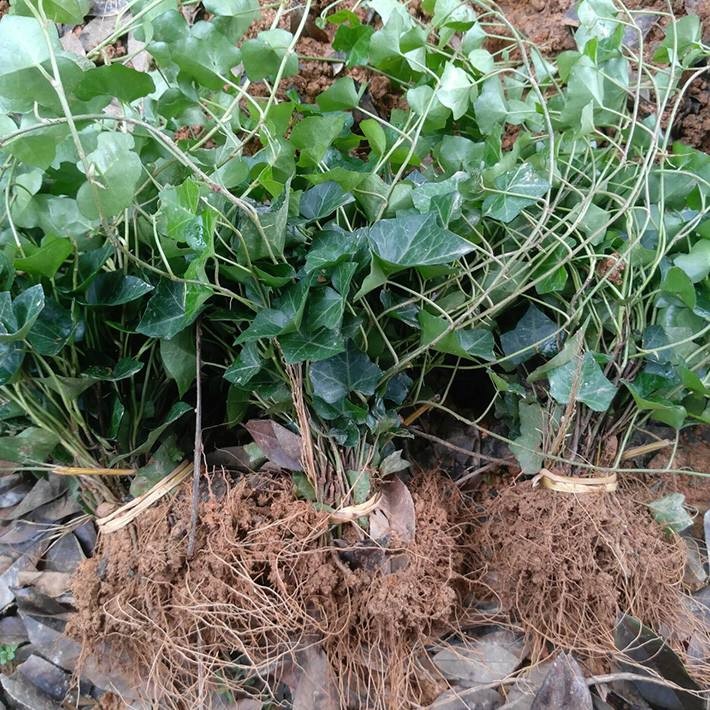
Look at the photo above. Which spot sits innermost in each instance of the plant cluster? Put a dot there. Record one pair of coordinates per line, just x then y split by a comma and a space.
526, 219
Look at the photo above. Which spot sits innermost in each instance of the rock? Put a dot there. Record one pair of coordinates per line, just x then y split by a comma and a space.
563, 687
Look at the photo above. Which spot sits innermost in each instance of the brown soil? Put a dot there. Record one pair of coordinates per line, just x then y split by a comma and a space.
263, 581
4, 7
565, 566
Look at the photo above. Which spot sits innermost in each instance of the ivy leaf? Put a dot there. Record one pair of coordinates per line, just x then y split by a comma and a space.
351, 371
324, 199
115, 170
263, 55
677, 283
415, 240
325, 309
177, 411
341, 95
173, 307
534, 333
114, 80
520, 188
32, 445
662, 410
527, 446
23, 45
273, 220
66, 12
248, 364
696, 263
19, 316
463, 342
317, 345
114, 289
178, 356
314, 134
355, 42
11, 358
455, 90
245, 11
490, 106
46, 260
52, 329
586, 380
125, 368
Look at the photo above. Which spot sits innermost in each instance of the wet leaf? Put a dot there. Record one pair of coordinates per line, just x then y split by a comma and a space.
281, 446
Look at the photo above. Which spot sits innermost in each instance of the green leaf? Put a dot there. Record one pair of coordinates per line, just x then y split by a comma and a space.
173, 307
670, 512
19, 316
463, 342
571, 349
126, 367
179, 218
245, 11
114, 80
696, 263
490, 106
662, 410
341, 95
52, 329
31, 446
355, 42
527, 446
533, 334
178, 356
375, 134
415, 240
313, 135
586, 380
263, 56
11, 357
248, 364
677, 283
67, 12
23, 44
115, 171
351, 371
46, 260
455, 90
273, 222
114, 289
324, 199
178, 410
520, 188
325, 309
313, 346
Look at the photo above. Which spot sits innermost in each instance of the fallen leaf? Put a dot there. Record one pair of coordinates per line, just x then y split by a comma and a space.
44, 491
563, 687
25, 561
646, 648
278, 444
315, 687
458, 698
12, 630
46, 677
396, 517
65, 555
483, 660
53, 584
24, 694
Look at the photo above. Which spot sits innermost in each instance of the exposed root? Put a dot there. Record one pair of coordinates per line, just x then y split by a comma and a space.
263, 584
566, 566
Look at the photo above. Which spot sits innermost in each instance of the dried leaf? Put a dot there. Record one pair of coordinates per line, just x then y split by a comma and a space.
24, 694
484, 660
64, 555
44, 491
459, 698
8, 579
12, 630
278, 444
315, 687
396, 516
53, 584
563, 687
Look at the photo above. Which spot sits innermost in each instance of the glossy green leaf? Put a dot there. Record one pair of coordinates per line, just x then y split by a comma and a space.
527, 446
515, 190
177, 411
19, 316
52, 330
126, 367
248, 364
463, 342
46, 260
455, 90
23, 44
696, 263
324, 199
264, 55
533, 334
677, 283
173, 307
375, 135
178, 357
115, 80
313, 135
318, 345
662, 410
113, 288
341, 95
351, 371
115, 171
416, 240
585, 380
